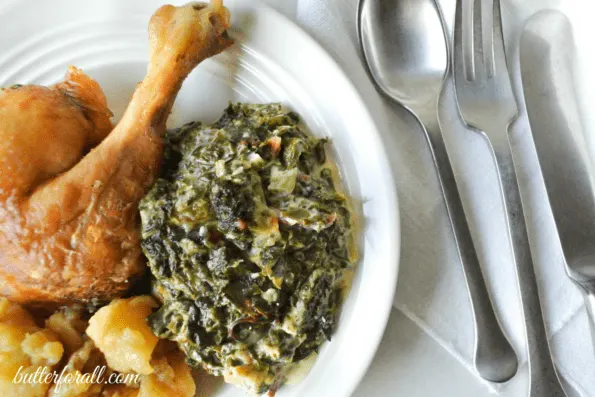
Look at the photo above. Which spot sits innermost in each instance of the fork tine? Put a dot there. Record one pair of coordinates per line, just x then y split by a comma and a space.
477, 41
463, 52
498, 56
460, 68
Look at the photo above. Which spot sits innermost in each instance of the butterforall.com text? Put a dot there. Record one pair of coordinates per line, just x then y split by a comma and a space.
44, 375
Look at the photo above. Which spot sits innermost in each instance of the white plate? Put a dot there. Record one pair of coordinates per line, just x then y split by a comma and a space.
275, 62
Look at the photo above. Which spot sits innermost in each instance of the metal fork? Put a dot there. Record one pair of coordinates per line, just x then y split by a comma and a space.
487, 104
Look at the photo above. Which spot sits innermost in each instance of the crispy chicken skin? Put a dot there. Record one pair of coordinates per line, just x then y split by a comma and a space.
70, 182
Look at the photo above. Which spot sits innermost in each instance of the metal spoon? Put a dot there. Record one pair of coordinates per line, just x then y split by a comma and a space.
404, 43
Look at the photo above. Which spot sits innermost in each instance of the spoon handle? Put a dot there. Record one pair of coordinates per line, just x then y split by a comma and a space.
494, 357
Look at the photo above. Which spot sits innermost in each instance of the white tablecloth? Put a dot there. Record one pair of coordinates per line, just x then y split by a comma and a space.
427, 348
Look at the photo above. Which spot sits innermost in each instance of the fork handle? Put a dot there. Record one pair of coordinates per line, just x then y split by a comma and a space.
494, 357
543, 377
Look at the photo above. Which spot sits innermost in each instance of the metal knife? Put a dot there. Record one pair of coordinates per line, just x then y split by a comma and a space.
546, 56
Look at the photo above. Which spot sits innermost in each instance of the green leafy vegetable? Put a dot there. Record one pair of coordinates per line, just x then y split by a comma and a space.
249, 243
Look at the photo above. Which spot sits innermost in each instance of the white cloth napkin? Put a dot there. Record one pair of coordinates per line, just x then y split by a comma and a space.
431, 289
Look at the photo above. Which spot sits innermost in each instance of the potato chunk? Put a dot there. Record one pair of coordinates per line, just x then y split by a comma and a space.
24, 349
117, 335
122, 334
69, 325
79, 367
172, 377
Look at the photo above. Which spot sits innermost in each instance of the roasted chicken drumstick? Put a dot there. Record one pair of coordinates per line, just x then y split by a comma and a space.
70, 184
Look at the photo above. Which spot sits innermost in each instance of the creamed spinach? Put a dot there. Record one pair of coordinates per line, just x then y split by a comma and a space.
248, 242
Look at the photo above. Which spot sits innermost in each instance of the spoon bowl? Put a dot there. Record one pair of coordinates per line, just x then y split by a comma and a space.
410, 67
